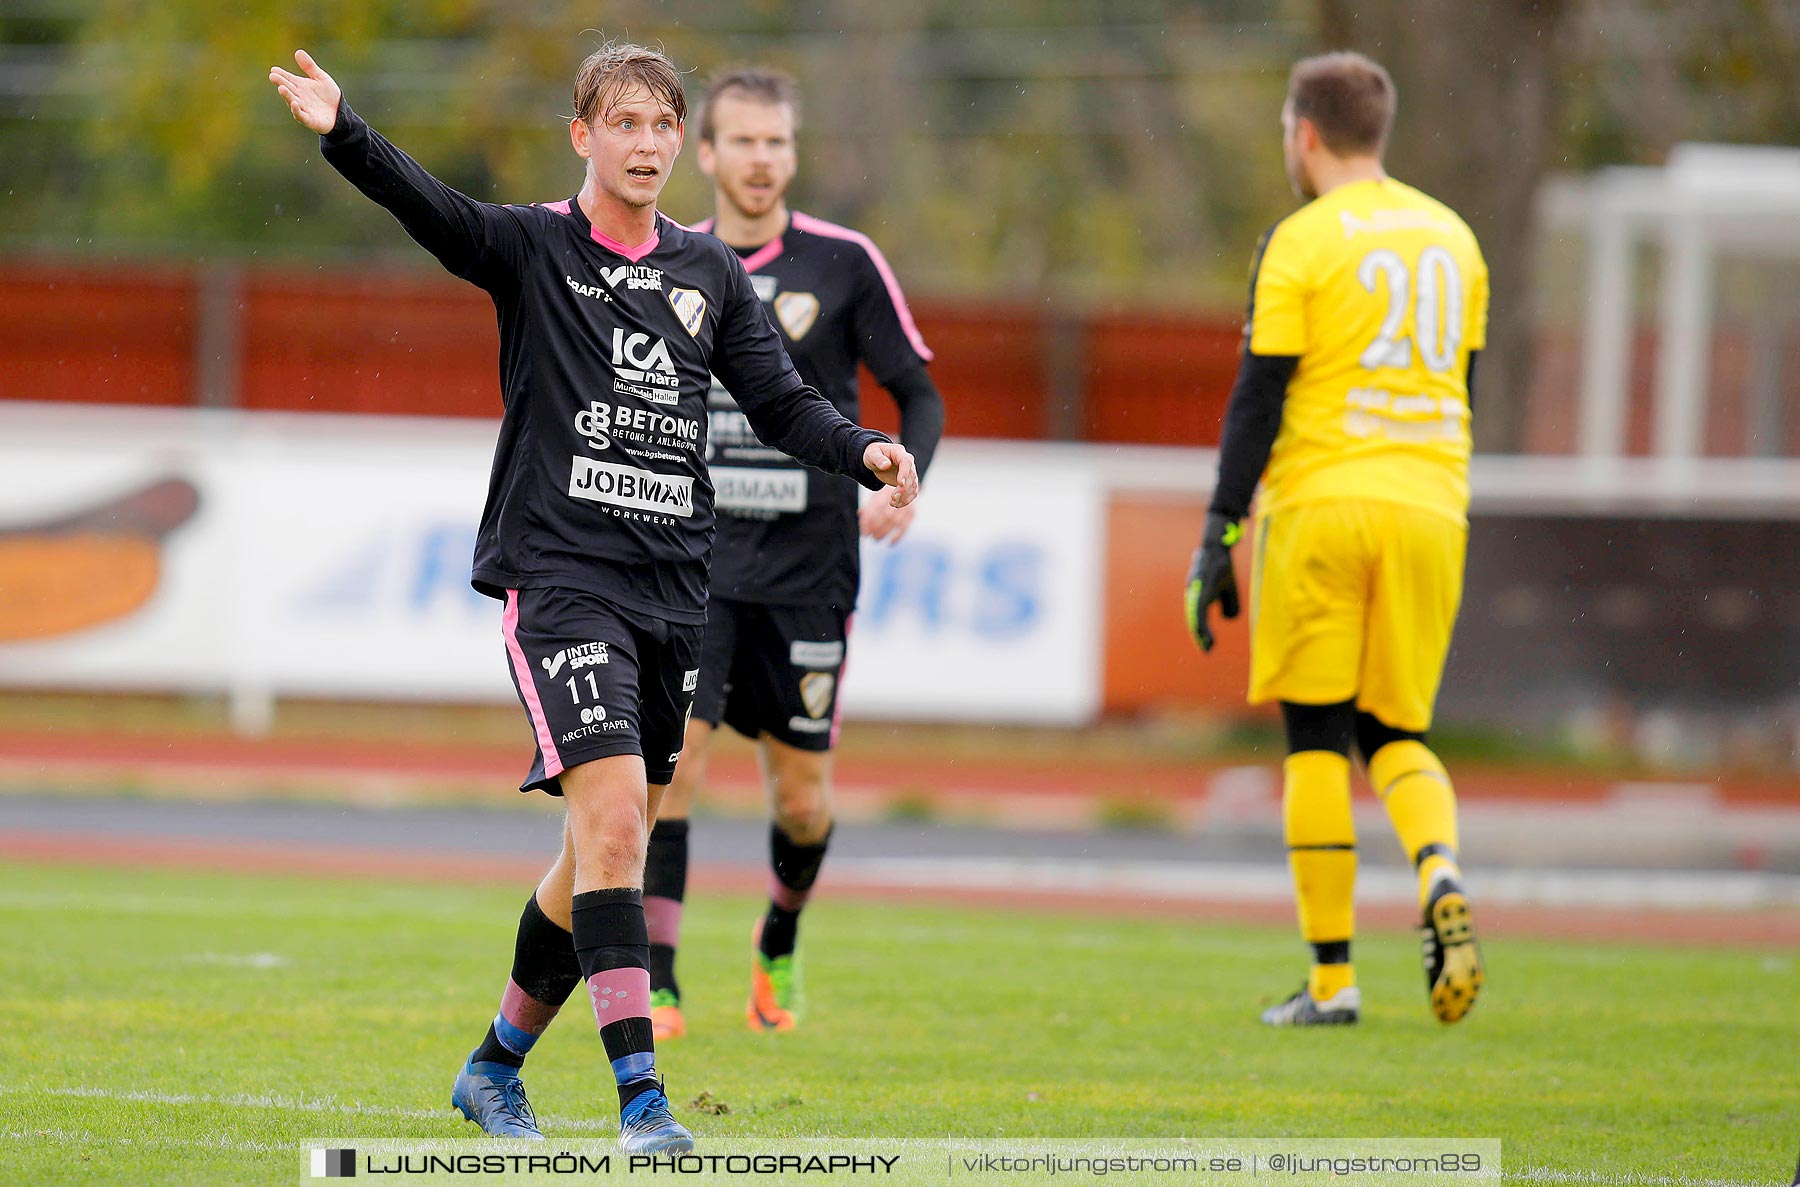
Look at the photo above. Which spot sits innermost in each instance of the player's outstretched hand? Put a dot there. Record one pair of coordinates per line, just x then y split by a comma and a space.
1211, 578
894, 466
313, 98
881, 520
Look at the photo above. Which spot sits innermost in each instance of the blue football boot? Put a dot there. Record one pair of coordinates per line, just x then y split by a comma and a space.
493, 1097
646, 1127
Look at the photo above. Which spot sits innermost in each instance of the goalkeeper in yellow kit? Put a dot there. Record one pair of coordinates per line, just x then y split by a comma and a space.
1368, 307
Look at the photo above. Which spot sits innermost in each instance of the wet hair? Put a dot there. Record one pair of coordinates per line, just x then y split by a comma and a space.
619, 67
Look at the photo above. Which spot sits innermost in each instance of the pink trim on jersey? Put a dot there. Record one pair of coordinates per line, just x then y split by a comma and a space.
763, 254
662, 916
534, 708
704, 226
526, 1012
618, 994
837, 707
634, 254
818, 226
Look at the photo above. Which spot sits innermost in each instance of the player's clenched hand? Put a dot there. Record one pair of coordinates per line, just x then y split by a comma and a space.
881, 520
894, 466
1210, 577
314, 98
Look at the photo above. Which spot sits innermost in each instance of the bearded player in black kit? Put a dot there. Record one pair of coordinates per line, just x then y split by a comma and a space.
599, 521
785, 563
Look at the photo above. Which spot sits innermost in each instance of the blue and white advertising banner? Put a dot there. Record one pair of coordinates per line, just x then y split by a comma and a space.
275, 554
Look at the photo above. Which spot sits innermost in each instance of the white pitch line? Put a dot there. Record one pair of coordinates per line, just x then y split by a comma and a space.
1620, 889
1545, 1174
264, 1100
211, 1141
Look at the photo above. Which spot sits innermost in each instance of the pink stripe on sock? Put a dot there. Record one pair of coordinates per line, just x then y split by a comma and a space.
663, 917
524, 1011
534, 708
786, 897
618, 994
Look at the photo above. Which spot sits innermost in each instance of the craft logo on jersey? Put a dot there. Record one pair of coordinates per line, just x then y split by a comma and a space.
690, 307
797, 312
584, 655
641, 368
815, 692
627, 486
632, 276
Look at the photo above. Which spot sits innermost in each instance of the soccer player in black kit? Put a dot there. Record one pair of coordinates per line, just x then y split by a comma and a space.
599, 521
785, 561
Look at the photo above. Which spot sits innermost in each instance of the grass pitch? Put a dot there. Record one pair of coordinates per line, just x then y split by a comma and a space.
197, 1028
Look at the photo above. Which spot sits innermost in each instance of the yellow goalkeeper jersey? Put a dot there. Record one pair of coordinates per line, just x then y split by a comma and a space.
1382, 293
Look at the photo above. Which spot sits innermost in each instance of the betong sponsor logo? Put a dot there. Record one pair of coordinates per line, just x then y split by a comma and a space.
739, 488
584, 655
641, 368
823, 654
626, 486
633, 276
600, 423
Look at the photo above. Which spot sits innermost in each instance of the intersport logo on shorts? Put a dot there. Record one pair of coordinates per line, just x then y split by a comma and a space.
624, 486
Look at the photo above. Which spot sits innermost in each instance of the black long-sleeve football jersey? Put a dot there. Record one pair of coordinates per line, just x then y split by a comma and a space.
787, 537
607, 351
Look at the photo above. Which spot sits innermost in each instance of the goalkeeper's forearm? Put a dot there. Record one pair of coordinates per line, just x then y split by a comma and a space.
1252, 419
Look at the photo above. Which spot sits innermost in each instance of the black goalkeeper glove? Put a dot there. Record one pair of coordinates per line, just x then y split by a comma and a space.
1210, 577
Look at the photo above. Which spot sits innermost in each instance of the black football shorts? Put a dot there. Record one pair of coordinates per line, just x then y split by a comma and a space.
597, 680
773, 670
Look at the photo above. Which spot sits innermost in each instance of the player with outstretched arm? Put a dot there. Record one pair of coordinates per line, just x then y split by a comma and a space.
599, 520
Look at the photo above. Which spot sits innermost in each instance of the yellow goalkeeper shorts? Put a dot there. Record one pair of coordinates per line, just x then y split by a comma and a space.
1355, 598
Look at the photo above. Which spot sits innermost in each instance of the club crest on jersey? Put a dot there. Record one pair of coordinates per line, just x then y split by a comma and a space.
815, 692
690, 307
798, 312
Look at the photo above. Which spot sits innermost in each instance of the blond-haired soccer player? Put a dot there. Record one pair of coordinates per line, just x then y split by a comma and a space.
599, 519
1368, 306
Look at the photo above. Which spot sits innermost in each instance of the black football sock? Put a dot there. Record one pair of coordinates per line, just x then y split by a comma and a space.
544, 973
794, 869
665, 886
613, 946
